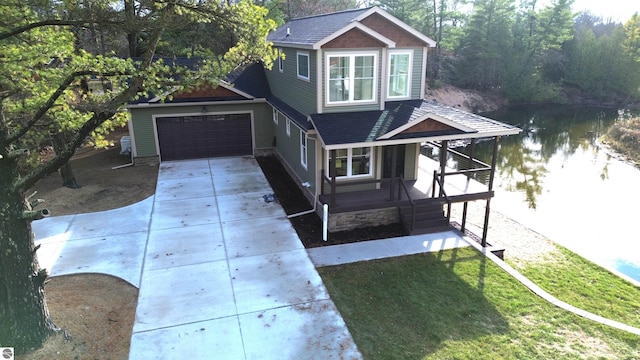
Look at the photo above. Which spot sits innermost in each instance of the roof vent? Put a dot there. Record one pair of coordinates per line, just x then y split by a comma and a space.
288, 31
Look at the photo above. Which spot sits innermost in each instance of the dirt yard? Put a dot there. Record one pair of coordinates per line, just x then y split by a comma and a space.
95, 312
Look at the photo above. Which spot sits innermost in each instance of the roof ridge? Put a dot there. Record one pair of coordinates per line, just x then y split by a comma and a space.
329, 14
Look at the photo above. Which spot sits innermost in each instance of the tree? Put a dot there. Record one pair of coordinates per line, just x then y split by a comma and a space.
596, 43
41, 73
480, 60
538, 36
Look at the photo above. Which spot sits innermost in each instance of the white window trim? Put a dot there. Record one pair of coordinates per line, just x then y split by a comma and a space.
280, 61
302, 77
351, 54
304, 149
409, 74
275, 116
288, 127
349, 162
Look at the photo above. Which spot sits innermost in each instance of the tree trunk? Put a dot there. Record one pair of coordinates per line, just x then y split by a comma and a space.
26, 323
59, 141
132, 35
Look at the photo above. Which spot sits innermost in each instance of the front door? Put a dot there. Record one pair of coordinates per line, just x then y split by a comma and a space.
387, 161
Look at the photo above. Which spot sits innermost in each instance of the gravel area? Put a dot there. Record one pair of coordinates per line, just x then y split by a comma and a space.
522, 245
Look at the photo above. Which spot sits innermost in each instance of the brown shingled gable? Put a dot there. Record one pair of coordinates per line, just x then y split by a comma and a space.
392, 31
426, 126
354, 38
205, 91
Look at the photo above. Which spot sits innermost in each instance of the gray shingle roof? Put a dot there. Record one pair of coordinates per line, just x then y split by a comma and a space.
368, 126
310, 30
298, 118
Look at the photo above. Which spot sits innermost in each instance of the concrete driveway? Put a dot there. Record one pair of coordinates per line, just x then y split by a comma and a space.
222, 274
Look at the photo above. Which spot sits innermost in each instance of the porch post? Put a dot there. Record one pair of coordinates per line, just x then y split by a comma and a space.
464, 216
472, 151
443, 163
332, 173
494, 159
394, 163
470, 165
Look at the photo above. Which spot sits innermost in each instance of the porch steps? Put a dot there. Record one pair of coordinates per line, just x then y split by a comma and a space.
429, 215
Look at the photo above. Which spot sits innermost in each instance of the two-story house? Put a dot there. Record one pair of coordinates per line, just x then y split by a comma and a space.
343, 110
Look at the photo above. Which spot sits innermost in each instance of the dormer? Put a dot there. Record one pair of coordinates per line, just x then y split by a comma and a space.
348, 61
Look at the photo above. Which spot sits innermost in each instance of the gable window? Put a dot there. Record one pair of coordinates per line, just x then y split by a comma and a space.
303, 149
288, 127
351, 78
303, 65
280, 60
351, 162
399, 75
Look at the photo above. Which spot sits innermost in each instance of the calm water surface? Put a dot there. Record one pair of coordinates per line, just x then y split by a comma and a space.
554, 179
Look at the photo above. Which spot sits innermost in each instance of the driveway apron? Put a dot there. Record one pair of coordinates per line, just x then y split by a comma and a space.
224, 275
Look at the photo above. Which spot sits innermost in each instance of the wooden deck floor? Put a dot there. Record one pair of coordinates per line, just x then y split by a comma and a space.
458, 188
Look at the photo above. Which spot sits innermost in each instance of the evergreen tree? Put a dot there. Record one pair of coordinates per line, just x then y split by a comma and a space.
42, 71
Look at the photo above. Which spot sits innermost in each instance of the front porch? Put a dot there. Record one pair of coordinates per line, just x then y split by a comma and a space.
423, 205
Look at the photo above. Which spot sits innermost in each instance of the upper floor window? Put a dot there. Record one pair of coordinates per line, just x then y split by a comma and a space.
351, 78
399, 75
288, 127
351, 162
275, 116
280, 60
303, 65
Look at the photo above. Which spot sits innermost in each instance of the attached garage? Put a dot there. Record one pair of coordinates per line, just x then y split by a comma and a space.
203, 136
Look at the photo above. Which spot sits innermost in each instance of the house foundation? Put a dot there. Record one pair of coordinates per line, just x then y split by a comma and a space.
362, 219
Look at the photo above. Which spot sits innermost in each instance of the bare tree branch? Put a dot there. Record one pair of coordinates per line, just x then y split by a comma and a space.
50, 22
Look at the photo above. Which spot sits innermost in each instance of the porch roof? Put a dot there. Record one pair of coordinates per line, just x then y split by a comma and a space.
404, 122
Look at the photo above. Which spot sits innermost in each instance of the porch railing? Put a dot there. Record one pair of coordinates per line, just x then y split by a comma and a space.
438, 180
403, 186
334, 185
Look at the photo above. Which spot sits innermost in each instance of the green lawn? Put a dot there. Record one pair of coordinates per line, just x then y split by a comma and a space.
458, 305
588, 286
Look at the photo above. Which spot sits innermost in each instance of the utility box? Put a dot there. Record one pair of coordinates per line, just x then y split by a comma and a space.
125, 145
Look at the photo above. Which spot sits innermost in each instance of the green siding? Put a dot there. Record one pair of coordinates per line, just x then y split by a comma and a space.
410, 154
416, 73
144, 134
288, 146
299, 94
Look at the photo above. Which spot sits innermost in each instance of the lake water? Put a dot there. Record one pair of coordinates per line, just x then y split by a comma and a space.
553, 178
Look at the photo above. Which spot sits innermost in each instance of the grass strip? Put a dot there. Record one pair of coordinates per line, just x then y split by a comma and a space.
456, 304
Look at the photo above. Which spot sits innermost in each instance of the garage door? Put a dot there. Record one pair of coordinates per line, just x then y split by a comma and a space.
192, 137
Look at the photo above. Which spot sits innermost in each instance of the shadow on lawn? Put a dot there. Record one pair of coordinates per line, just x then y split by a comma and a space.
407, 307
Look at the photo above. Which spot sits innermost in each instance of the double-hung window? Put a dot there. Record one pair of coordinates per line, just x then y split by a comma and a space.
351, 78
303, 65
399, 75
351, 162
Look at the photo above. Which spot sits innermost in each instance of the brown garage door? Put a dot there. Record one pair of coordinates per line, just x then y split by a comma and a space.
192, 137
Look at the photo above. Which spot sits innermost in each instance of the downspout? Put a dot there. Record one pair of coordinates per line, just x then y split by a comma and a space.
304, 212
305, 184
